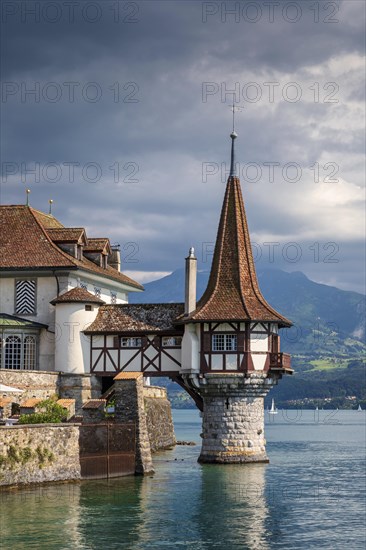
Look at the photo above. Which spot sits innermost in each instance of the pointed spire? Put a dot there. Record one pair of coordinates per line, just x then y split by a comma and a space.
233, 136
233, 293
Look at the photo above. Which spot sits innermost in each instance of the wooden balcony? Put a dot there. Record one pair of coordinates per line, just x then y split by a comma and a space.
280, 362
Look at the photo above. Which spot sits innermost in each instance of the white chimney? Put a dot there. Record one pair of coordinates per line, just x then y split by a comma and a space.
191, 283
114, 259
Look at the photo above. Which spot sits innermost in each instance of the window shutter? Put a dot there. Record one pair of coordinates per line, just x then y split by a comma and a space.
116, 341
25, 297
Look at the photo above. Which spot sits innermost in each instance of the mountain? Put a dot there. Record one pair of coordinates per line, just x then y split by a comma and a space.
327, 321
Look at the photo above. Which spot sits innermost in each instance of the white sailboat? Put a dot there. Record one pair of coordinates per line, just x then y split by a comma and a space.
359, 408
273, 409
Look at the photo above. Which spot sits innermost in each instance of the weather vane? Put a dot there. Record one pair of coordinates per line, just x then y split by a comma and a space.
235, 109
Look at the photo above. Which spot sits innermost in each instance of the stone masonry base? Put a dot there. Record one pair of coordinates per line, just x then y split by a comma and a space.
233, 418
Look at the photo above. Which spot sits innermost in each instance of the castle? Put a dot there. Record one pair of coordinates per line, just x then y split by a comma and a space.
64, 308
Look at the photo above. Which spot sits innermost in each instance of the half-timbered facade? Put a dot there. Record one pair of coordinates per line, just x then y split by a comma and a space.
136, 338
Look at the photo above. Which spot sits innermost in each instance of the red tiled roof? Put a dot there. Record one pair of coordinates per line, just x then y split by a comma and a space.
77, 295
4, 401
65, 403
98, 245
30, 403
142, 318
46, 220
232, 292
67, 234
128, 376
94, 404
25, 243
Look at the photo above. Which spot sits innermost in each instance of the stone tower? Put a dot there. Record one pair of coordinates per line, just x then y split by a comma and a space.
231, 348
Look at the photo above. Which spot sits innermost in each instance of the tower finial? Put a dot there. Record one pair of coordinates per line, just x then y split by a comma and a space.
27, 192
233, 135
50, 202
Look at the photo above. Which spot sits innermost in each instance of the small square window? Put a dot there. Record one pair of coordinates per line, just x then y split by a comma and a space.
171, 341
224, 342
88, 307
113, 297
131, 342
83, 284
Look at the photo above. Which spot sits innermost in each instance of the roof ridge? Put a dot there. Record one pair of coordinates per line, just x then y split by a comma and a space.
75, 261
59, 250
248, 251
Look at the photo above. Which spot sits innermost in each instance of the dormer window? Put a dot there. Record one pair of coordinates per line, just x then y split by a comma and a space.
70, 239
97, 251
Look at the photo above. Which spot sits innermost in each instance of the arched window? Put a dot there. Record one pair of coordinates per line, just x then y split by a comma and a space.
13, 349
29, 353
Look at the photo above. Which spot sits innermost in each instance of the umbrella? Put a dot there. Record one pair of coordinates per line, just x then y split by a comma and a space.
4, 388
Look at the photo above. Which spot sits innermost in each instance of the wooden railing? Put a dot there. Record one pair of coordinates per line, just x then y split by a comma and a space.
280, 361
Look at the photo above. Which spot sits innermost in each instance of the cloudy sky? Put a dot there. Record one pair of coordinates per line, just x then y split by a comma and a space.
119, 112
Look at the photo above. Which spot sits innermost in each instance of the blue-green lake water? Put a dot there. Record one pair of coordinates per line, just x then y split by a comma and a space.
311, 495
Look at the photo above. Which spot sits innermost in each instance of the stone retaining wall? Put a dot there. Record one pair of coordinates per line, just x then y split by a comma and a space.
34, 383
80, 387
39, 453
155, 391
129, 407
159, 418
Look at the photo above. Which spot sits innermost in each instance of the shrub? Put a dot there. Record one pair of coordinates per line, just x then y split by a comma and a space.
50, 413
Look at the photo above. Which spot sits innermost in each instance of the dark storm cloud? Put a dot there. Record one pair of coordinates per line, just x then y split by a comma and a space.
161, 131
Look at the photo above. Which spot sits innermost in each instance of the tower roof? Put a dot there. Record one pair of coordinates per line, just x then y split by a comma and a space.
233, 293
77, 294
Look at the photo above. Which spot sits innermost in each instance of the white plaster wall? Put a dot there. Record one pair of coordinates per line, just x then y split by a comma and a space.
7, 295
231, 361
216, 362
45, 314
259, 342
224, 327
106, 288
167, 363
259, 360
46, 291
191, 348
46, 354
72, 350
